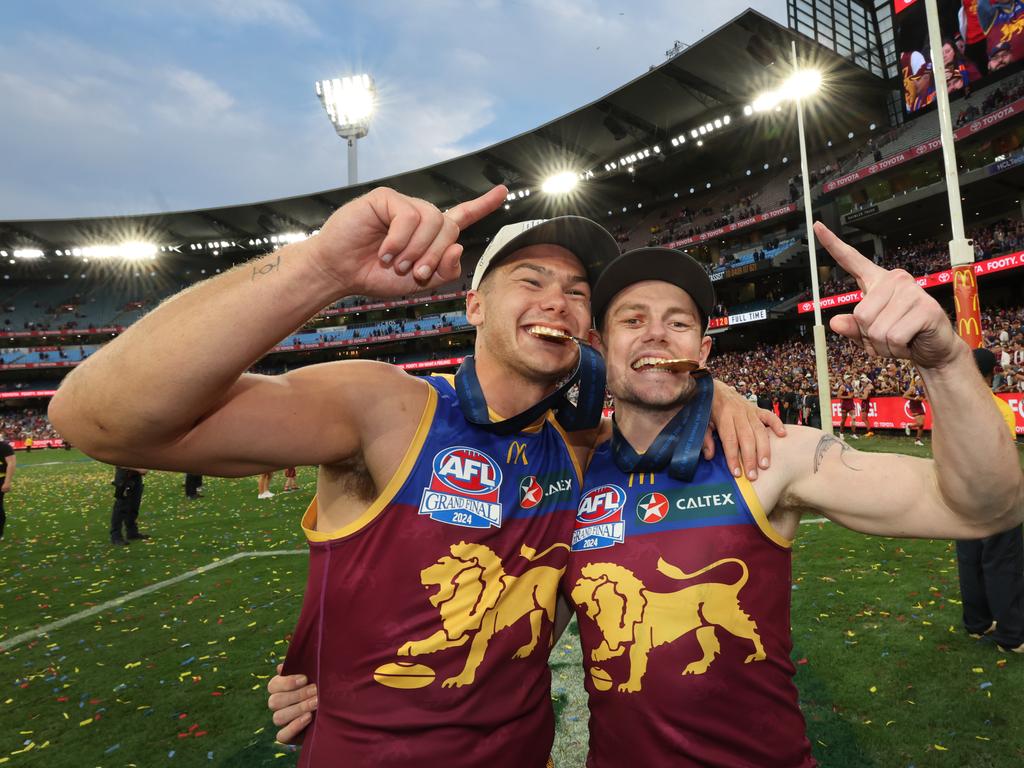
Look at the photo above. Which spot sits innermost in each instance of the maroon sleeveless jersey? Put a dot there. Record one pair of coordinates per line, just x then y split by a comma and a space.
682, 593
426, 623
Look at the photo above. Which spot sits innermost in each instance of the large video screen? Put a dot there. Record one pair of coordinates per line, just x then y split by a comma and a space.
979, 38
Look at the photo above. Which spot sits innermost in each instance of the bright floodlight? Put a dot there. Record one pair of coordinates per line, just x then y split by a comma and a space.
28, 253
130, 251
560, 183
766, 101
137, 251
801, 84
349, 102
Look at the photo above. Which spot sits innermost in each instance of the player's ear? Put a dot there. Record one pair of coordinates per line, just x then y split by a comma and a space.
475, 308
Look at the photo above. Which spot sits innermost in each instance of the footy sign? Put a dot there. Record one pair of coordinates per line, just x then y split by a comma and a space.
599, 522
464, 488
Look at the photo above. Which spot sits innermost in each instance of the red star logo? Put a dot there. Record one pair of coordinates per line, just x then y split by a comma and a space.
530, 492
652, 508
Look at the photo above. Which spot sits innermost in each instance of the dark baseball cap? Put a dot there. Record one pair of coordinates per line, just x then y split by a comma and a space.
665, 264
985, 360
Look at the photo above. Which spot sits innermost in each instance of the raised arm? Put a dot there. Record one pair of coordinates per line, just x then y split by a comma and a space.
974, 486
171, 393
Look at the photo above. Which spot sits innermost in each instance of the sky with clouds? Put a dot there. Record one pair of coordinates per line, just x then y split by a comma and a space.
134, 106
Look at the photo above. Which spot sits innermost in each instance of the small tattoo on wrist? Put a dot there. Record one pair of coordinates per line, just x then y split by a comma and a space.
259, 270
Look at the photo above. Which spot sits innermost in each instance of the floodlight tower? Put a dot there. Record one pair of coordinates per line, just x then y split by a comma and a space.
350, 102
800, 86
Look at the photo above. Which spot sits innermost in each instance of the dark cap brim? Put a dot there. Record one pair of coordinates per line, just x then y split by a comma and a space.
664, 264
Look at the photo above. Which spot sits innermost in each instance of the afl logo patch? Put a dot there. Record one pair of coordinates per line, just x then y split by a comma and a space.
601, 504
599, 521
465, 470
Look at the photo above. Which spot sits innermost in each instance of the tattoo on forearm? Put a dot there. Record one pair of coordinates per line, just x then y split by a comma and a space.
265, 267
826, 442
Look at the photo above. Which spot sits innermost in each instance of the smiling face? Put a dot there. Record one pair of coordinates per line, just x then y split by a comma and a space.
647, 322
526, 309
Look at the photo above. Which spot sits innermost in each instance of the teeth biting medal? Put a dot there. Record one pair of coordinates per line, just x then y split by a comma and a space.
552, 334
677, 365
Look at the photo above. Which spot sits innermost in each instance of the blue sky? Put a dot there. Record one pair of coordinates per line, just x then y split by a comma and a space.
113, 107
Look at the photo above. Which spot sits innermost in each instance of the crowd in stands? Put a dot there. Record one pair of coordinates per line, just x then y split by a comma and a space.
1003, 94
932, 255
20, 424
771, 371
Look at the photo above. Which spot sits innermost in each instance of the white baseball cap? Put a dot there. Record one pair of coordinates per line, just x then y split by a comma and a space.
587, 240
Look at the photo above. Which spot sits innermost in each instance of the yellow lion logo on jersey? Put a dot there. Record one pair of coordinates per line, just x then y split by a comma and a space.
632, 617
477, 599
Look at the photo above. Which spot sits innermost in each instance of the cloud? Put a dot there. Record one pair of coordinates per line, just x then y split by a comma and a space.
155, 126
272, 12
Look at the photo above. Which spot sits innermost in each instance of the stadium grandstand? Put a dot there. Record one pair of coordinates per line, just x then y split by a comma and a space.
671, 158
677, 157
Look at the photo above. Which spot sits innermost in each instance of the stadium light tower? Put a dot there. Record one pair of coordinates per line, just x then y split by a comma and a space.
800, 85
350, 103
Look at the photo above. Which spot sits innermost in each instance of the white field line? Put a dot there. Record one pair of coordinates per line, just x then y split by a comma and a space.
11, 642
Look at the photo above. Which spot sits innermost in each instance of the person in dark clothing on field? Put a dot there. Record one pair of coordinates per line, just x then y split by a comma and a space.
127, 500
193, 486
7, 464
992, 569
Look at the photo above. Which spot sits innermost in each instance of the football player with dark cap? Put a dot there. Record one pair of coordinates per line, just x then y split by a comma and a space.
672, 550
992, 569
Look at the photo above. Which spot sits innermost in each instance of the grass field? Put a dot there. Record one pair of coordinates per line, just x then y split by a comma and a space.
177, 675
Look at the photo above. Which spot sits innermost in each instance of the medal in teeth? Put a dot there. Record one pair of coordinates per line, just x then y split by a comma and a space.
553, 334
678, 364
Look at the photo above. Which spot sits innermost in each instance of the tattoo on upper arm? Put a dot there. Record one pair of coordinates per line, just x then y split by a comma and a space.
826, 442
265, 267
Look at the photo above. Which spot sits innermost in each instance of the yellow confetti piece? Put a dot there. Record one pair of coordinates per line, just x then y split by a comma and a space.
940, 748
85, 722
873, 689
983, 738
977, 670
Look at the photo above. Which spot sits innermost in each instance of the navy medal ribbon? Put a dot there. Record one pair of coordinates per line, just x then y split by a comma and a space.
678, 445
577, 402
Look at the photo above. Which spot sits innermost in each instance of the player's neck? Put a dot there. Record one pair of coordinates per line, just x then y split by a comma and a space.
639, 425
508, 393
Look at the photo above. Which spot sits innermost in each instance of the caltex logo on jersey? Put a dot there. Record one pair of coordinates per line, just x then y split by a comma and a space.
652, 508
599, 521
530, 492
463, 489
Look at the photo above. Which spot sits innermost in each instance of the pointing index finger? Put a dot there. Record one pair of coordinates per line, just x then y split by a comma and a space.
471, 211
863, 270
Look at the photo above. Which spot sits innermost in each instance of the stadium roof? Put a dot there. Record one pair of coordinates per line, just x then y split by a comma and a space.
717, 75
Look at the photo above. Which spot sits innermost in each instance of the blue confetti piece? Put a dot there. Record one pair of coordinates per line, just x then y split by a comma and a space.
983, 686
187, 661
113, 748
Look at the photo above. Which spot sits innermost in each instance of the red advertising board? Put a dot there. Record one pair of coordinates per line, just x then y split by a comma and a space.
27, 393
981, 268
905, 156
893, 413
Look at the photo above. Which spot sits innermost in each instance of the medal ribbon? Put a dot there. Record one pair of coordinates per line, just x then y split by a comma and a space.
573, 410
678, 445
